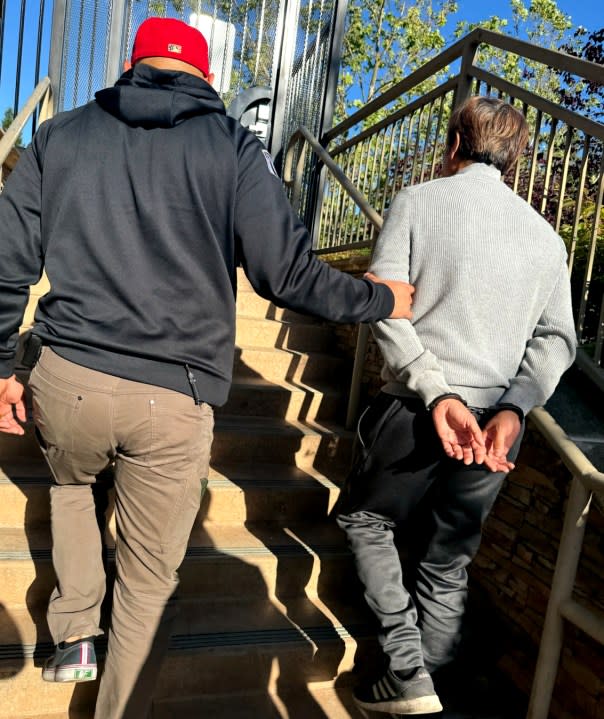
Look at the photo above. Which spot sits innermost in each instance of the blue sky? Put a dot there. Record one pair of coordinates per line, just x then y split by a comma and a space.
589, 13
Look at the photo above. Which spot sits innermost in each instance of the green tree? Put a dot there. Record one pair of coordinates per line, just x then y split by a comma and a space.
8, 117
384, 42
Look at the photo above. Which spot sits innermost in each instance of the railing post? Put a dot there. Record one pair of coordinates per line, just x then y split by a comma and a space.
57, 45
562, 588
115, 58
465, 78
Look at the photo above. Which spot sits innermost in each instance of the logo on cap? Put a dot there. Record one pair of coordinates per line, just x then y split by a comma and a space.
175, 48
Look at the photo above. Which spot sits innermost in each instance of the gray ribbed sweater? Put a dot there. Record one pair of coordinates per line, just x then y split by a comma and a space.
492, 317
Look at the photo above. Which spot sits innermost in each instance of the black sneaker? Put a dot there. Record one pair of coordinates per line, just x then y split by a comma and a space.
413, 695
73, 662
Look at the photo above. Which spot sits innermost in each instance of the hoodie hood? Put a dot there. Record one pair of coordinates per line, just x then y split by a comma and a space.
147, 97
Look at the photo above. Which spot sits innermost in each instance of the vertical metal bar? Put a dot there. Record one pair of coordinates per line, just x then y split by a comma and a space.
334, 50
426, 139
535, 153
76, 77
92, 50
599, 337
370, 176
436, 136
380, 181
548, 165
592, 253
518, 164
337, 207
465, 80
564, 177
19, 58
389, 164
397, 159
243, 41
335, 57
407, 144
259, 40
113, 67
579, 203
57, 42
34, 119
282, 76
417, 139
562, 587
2, 22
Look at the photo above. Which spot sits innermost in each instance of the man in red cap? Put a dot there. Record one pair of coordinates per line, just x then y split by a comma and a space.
140, 205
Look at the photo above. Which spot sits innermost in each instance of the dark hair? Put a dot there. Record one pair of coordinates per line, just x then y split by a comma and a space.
490, 131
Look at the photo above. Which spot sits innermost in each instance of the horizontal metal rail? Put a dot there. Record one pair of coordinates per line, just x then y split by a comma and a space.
41, 94
561, 61
589, 127
399, 115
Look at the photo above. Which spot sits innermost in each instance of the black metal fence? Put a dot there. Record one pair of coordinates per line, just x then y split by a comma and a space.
24, 52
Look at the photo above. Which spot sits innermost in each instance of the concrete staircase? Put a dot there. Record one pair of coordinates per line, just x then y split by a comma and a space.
266, 625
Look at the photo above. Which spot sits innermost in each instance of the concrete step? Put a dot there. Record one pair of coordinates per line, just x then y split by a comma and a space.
271, 492
296, 367
248, 646
323, 446
313, 701
250, 304
256, 332
258, 560
284, 400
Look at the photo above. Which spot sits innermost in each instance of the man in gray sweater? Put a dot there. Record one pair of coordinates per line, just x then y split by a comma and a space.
492, 334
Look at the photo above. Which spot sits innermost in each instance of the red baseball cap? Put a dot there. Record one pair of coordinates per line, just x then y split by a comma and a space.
167, 37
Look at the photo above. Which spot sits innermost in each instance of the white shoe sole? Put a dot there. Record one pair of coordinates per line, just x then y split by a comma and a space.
421, 705
86, 673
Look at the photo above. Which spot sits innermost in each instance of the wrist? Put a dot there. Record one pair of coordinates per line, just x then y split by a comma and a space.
507, 406
441, 398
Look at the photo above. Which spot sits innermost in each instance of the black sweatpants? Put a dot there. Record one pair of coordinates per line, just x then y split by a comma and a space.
402, 479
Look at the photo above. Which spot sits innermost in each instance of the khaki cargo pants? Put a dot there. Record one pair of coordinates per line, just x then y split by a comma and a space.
160, 443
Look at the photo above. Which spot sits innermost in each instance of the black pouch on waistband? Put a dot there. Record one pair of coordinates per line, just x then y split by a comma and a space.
31, 351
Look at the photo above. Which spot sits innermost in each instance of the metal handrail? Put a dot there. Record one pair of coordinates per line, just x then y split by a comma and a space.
561, 606
586, 478
40, 95
591, 71
303, 135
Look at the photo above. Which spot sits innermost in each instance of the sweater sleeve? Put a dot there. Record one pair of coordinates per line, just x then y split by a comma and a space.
276, 251
550, 351
408, 361
21, 260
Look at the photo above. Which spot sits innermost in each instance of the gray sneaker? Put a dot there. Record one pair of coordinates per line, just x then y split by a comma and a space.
413, 695
75, 662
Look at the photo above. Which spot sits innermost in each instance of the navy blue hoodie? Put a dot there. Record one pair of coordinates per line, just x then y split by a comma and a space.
139, 205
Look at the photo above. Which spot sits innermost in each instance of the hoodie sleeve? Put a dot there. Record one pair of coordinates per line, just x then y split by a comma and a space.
21, 260
276, 251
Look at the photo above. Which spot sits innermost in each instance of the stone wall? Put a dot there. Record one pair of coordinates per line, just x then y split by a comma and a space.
512, 573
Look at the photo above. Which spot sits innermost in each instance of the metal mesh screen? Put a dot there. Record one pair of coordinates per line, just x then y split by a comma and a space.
241, 37
253, 43
85, 47
310, 66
